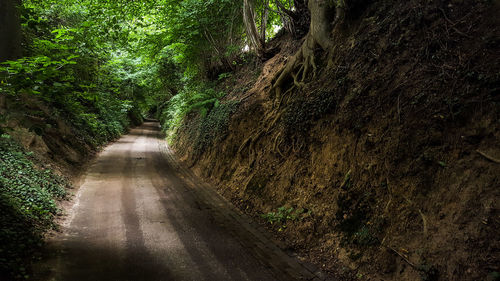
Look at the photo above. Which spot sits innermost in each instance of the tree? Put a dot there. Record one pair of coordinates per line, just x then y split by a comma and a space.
209, 32
325, 16
321, 25
259, 17
256, 37
294, 17
10, 30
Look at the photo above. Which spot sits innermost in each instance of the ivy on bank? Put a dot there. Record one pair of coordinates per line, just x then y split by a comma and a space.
28, 192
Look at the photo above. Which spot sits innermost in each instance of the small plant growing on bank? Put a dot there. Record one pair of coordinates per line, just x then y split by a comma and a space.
284, 214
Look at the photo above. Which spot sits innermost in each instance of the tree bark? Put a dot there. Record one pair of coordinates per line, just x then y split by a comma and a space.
263, 21
320, 26
324, 15
256, 38
10, 30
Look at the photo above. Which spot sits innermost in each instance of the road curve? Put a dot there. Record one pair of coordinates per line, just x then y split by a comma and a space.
140, 215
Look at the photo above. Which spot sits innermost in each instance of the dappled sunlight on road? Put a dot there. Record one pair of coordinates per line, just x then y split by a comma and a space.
135, 218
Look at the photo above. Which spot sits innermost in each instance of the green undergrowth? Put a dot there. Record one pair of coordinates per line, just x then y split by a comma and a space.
193, 97
358, 228
109, 121
28, 194
212, 115
284, 214
213, 126
67, 73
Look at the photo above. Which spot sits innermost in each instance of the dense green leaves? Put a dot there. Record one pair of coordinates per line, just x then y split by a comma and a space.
31, 188
27, 205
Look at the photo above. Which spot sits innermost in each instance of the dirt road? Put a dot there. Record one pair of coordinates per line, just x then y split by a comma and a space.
139, 215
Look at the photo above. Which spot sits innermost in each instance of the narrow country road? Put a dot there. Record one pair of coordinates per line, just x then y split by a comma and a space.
139, 215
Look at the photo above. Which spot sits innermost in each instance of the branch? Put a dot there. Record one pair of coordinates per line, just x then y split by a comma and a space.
282, 8
403, 257
491, 158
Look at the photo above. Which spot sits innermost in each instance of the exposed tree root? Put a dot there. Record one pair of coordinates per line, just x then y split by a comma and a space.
386, 209
298, 68
405, 258
303, 62
276, 144
257, 134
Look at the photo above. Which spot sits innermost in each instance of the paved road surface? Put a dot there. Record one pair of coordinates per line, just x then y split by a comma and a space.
139, 215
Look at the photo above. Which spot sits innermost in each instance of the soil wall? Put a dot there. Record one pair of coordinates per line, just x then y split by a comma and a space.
389, 156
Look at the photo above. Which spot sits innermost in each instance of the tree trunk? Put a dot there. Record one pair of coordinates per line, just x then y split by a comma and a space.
263, 21
10, 30
324, 15
320, 26
257, 40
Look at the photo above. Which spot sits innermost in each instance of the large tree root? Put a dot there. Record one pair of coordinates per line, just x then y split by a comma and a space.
300, 65
269, 121
297, 70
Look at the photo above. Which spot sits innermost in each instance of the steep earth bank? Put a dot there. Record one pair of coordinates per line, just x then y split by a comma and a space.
54, 134
387, 160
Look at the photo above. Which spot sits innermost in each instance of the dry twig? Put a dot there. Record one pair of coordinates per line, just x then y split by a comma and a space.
491, 158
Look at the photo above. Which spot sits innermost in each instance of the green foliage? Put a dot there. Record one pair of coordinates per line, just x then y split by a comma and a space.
493, 276
197, 25
22, 180
72, 67
27, 205
193, 97
37, 75
212, 115
364, 237
19, 240
214, 125
33, 189
284, 214
109, 120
